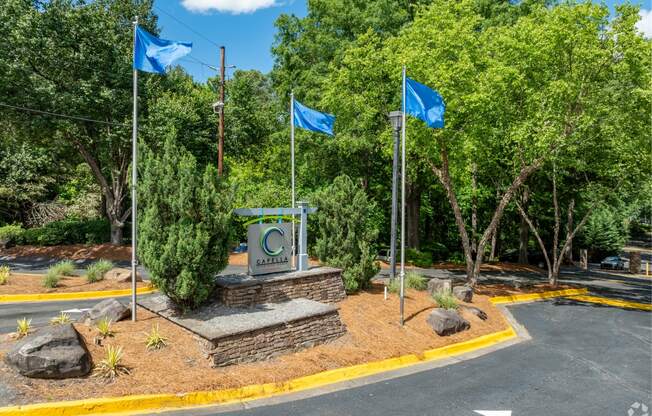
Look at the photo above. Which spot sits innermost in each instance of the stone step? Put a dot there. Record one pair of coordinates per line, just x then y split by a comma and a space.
234, 335
322, 284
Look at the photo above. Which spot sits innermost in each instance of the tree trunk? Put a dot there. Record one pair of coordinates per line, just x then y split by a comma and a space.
568, 258
413, 202
474, 208
117, 230
527, 220
524, 235
494, 244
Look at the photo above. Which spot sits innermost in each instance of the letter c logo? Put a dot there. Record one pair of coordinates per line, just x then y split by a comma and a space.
265, 245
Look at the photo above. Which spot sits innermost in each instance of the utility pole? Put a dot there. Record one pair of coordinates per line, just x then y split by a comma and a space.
396, 118
220, 141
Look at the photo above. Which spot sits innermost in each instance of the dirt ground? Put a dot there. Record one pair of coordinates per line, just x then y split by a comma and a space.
29, 283
373, 334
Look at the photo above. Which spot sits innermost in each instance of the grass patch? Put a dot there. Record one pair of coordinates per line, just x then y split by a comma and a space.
413, 280
62, 319
96, 271
446, 299
111, 366
64, 268
51, 279
4, 274
155, 340
23, 327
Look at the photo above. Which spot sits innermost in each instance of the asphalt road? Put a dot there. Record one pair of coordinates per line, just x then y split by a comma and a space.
582, 360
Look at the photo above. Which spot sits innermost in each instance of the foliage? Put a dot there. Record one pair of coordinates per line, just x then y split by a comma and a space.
413, 280
345, 236
24, 327
96, 271
62, 318
51, 278
68, 231
11, 233
418, 258
445, 299
111, 366
155, 340
104, 327
4, 274
64, 268
604, 233
185, 224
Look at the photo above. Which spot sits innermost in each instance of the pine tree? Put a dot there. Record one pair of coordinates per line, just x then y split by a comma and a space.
185, 224
346, 235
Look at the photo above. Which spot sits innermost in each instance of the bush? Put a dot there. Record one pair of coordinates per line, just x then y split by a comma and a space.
418, 258
155, 340
438, 251
96, 271
412, 281
51, 279
64, 268
345, 233
604, 233
445, 299
12, 233
185, 224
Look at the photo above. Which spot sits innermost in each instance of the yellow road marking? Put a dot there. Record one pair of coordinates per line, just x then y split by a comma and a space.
37, 297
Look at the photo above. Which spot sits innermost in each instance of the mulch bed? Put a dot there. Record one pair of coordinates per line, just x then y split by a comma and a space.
499, 289
29, 284
373, 334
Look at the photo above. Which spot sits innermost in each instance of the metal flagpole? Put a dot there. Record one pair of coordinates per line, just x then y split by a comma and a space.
134, 178
294, 260
402, 275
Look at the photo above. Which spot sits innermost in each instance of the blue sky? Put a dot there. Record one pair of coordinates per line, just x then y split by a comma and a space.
246, 29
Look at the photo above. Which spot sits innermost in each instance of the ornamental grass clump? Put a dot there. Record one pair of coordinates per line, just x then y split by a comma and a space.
23, 328
155, 340
64, 268
111, 366
96, 271
4, 274
413, 280
445, 299
51, 279
62, 318
104, 327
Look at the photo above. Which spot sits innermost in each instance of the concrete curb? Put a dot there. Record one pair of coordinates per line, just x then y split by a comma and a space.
53, 297
529, 297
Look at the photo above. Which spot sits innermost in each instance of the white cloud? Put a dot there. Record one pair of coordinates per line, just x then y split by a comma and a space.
645, 24
227, 6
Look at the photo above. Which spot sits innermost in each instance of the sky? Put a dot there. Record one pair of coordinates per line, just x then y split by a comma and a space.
246, 29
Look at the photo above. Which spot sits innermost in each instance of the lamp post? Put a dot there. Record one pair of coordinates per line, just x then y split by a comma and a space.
396, 118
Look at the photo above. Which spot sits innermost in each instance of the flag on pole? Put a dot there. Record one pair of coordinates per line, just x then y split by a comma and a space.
313, 120
424, 103
152, 54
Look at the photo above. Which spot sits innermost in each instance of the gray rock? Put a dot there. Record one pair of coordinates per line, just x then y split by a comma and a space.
439, 285
120, 274
447, 322
475, 311
109, 308
51, 352
463, 293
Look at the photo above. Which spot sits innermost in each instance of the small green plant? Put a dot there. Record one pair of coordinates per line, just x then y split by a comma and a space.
51, 279
63, 318
155, 340
23, 328
64, 268
413, 280
4, 274
97, 270
445, 299
104, 327
111, 366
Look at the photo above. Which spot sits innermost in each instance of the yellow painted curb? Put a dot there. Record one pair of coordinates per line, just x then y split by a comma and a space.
537, 296
613, 302
161, 402
36, 297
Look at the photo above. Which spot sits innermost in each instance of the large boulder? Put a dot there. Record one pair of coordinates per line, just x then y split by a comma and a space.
463, 293
111, 309
447, 322
120, 274
439, 285
51, 352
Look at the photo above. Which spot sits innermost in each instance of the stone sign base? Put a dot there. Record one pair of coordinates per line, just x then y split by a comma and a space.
321, 284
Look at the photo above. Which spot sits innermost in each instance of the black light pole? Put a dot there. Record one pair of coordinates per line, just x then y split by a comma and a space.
396, 118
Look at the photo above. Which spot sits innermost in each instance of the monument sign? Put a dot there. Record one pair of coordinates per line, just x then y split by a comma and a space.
269, 248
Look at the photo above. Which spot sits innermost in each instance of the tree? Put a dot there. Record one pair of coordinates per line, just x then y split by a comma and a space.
345, 232
185, 224
74, 57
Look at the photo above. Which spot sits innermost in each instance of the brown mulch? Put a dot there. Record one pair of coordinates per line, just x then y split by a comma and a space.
486, 267
30, 283
507, 290
73, 252
373, 334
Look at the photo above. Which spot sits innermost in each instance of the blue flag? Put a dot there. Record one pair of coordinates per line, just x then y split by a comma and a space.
152, 54
309, 119
424, 103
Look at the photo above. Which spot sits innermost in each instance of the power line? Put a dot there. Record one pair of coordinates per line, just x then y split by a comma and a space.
187, 26
79, 118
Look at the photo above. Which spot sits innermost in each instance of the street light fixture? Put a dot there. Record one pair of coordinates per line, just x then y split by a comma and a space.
396, 119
